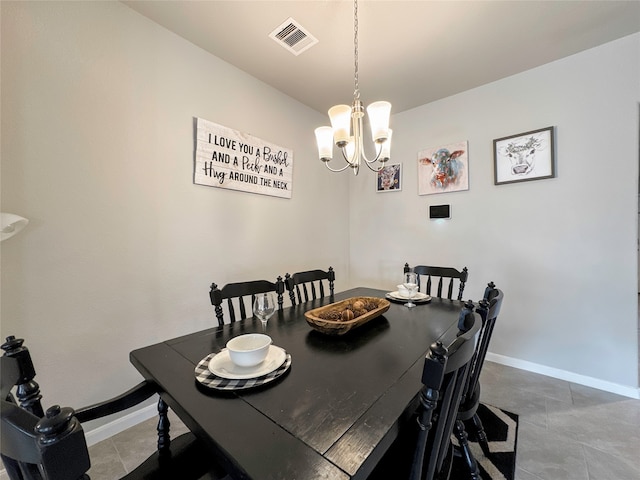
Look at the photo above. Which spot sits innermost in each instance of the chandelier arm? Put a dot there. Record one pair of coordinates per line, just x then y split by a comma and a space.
355, 164
378, 152
350, 162
326, 164
368, 164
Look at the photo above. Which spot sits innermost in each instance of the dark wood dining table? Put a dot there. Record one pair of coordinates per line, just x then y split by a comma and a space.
336, 410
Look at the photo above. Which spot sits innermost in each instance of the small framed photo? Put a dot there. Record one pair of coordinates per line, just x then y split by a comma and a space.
525, 156
389, 178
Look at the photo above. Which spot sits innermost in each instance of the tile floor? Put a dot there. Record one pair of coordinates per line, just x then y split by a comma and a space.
566, 432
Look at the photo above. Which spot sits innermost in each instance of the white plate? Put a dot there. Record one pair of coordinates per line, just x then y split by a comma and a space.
222, 366
417, 297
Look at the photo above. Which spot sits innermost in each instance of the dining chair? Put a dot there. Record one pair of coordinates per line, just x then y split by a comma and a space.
53, 446
488, 308
309, 280
239, 292
423, 450
439, 275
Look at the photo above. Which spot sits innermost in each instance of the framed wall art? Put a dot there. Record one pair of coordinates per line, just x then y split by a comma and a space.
234, 160
389, 178
525, 156
443, 169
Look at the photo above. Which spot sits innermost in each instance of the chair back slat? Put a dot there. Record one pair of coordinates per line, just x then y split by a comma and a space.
306, 293
450, 290
243, 311
301, 283
232, 311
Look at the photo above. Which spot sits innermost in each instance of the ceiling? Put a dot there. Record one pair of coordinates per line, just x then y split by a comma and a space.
410, 52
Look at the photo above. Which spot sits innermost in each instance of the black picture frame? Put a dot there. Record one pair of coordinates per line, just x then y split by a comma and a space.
524, 157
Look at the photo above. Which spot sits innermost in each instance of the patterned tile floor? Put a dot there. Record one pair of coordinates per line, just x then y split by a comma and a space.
566, 432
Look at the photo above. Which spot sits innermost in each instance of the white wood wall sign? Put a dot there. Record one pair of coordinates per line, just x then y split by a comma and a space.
226, 158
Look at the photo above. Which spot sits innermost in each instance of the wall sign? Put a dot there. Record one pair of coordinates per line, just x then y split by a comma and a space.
226, 158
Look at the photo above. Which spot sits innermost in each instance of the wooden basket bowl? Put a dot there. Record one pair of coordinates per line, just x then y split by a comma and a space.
340, 327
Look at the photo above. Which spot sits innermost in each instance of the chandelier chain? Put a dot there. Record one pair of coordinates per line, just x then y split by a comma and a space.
356, 92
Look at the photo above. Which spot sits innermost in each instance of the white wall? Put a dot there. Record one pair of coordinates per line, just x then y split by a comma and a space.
97, 151
562, 249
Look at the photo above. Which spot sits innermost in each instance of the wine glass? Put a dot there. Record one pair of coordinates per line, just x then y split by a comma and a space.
410, 282
264, 306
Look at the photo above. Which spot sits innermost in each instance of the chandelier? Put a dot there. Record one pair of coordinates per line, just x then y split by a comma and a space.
346, 125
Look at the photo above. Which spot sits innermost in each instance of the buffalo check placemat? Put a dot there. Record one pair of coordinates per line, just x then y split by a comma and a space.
210, 380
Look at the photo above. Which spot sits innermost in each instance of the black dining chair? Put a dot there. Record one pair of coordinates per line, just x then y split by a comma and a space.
300, 283
423, 449
52, 446
488, 308
428, 276
239, 292
27, 392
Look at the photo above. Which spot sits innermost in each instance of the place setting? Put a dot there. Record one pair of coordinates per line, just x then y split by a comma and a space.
248, 361
407, 292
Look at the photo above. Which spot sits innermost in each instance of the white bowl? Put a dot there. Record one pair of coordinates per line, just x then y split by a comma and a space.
249, 350
402, 290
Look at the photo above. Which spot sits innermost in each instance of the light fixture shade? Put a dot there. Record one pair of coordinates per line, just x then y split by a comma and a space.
386, 148
350, 148
324, 139
340, 116
11, 224
379, 113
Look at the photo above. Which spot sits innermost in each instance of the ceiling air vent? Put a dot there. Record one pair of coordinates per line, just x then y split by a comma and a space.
293, 37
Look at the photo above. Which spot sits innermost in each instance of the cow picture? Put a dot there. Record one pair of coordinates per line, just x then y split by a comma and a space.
443, 169
389, 178
526, 156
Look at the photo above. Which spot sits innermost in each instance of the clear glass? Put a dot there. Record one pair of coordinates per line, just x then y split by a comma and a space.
410, 282
264, 307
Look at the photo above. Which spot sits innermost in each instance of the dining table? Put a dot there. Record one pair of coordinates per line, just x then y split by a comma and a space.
336, 405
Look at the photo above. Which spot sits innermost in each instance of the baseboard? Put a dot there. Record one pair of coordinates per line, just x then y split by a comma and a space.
611, 387
107, 430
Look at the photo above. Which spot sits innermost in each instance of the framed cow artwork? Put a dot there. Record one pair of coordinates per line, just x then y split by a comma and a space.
525, 156
389, 178
443, 169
